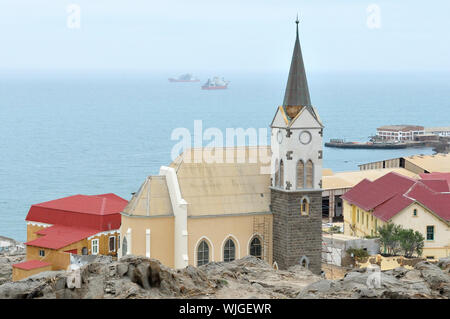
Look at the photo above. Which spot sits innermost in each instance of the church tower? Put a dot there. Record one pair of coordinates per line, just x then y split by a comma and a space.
296, 177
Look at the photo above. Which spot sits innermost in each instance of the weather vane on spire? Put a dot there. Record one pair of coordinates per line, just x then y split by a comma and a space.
297, 21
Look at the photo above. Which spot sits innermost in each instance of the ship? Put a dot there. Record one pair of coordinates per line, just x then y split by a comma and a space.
188, 77
215, 84
340, 143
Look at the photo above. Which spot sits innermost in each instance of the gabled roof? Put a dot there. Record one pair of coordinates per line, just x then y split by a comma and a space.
390, 194
58, 236
368, 195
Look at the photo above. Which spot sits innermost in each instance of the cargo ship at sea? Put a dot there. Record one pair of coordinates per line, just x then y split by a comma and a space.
215, 84
188, 77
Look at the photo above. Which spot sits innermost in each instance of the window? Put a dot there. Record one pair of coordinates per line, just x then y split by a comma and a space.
367, 220
94, 248
281, 174
84, 251
112, 243
202, 253
415, 212
229, 250
358, 216
42, 253
304, 206
430, 257
430, 232
118, 242
309, 174
300, 174
255, 248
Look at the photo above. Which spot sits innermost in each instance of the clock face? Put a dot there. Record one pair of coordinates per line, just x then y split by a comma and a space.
279, 136
305, 137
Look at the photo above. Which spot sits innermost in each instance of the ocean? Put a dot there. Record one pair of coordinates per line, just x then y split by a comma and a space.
90, 133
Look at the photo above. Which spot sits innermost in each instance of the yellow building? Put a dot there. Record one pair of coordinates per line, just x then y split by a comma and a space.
74, 225
194, 213
422, 205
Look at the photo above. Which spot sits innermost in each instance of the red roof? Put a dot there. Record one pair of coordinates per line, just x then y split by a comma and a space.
31, 264
101, 212
75, 218
390, 194
368, 195
436, 176
58, 236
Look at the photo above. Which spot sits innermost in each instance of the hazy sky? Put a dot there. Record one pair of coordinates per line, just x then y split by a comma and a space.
247, 35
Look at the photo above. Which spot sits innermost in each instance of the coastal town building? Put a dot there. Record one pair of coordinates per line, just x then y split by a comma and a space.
336, 184
440, 131
417, 163
264, 201
79, 225
422, 205
400, 133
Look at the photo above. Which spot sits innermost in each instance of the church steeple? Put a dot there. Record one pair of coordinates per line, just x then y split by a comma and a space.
297, 93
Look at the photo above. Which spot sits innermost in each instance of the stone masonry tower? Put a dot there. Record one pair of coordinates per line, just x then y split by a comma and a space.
296, 179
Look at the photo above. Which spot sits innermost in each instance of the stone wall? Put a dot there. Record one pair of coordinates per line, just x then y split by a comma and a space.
295, 235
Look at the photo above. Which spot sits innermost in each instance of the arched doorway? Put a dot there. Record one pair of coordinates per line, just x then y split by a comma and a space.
124, 247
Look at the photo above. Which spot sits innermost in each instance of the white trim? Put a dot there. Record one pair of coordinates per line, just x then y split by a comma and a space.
106, 233
115, 244
128, 236
92, 246
261, 238
236, 242
179, 208
38, 224
211, 247
147, 243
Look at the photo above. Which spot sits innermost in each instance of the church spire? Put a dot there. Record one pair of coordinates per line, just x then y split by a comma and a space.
297, 93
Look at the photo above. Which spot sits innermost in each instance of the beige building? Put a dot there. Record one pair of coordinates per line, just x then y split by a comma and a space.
417, 163
194, 213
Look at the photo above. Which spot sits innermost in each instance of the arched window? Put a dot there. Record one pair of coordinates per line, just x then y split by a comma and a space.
124, 246
202, 253
276, 182
309, 174
256, 248
84, 251
300, 174
304, 206
229, 250
281, 174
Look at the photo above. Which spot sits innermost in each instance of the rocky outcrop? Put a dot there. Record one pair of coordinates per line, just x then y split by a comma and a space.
425, 281
140, 277
11, 252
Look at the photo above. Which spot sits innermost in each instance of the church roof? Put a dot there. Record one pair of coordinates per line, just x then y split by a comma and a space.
297, 92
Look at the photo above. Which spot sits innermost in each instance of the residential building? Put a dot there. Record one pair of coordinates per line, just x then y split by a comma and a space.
422, 205
399, 133
79, 224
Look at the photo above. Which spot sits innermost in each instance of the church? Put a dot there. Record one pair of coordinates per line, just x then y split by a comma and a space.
194, 213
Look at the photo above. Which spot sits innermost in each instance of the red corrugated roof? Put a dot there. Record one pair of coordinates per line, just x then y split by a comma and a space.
58, 236
75, 218
390, 194
368, 195
436, 176
100, 212
31, 264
